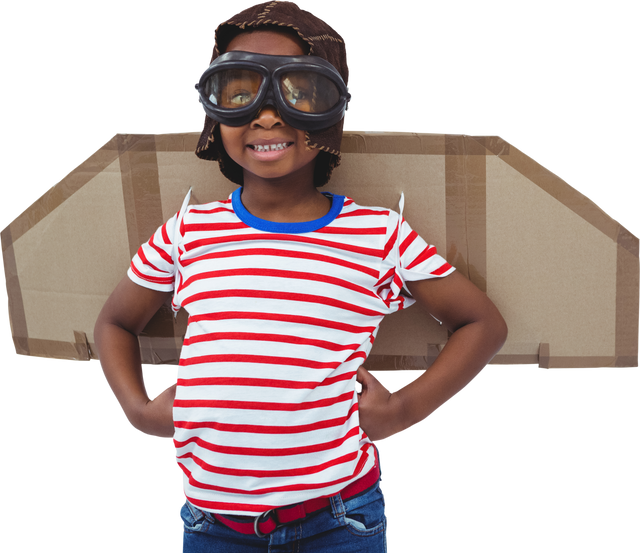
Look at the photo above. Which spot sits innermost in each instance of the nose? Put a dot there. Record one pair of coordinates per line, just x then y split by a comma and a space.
267, 117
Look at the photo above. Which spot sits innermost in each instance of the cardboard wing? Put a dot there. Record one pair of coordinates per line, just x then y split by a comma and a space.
563, 273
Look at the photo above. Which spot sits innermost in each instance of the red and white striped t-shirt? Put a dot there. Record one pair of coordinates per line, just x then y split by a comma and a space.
281, 315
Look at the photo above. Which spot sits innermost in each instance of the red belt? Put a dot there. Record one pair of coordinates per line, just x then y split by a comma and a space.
267, 522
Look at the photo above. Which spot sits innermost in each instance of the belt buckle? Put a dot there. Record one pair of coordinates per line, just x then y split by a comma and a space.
257, 521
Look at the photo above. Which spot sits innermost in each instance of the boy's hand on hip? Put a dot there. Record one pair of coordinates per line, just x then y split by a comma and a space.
380, 410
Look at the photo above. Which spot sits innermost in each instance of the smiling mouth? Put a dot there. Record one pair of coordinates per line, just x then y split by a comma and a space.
270, 147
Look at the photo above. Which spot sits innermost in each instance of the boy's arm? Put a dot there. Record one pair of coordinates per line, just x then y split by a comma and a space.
478, 333
123, 317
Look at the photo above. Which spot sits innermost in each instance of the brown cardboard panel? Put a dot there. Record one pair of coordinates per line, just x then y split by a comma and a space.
563, 273
465, 172
70, 259
547, 265
600, 291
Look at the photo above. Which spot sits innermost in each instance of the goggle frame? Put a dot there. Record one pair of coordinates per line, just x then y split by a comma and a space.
269, 93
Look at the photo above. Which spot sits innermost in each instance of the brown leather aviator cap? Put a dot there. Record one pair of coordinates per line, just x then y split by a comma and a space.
322, 41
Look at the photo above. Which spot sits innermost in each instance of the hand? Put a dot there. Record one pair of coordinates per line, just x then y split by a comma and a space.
380, 410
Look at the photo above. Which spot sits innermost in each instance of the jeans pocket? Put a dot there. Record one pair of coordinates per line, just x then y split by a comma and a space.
355, 523
366, 519
193, 518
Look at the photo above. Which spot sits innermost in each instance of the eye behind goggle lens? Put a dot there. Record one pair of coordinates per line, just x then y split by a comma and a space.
309, 92
233, 88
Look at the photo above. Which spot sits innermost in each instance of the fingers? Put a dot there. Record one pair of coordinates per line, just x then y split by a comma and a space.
359, 380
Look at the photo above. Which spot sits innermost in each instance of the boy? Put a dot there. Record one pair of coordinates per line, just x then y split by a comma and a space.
285, 288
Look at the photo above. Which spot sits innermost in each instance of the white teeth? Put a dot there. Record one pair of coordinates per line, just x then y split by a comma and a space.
269, 147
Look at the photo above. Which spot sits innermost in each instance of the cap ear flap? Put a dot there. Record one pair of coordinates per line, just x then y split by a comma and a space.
205, 149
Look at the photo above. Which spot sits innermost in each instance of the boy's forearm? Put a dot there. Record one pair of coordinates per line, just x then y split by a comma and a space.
466, 353
158, 415
120, 359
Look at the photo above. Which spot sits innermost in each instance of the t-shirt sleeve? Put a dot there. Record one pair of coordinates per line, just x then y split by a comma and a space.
417, 259
407, 258
153, 266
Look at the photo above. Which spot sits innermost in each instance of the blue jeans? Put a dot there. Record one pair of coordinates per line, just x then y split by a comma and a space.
355, 525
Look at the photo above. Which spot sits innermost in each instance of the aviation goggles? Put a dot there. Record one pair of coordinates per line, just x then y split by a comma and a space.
307, 91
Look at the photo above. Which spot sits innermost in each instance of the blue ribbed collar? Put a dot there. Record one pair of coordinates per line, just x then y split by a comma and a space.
286, 228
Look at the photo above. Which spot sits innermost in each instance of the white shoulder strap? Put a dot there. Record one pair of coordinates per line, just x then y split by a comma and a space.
176, 235
400, 210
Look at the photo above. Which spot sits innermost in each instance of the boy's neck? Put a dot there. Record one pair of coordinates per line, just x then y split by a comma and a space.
284, 200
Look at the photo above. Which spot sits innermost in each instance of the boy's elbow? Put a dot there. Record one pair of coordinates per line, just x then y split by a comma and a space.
101, 329
504, 332
494, 328
98, 329
500, 330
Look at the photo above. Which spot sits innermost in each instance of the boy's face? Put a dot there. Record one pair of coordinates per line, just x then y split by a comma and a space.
250, 146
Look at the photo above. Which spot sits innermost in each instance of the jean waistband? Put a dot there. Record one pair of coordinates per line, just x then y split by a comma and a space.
266, 523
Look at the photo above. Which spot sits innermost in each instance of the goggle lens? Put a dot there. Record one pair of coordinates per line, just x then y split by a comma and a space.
309, 92
233, 88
